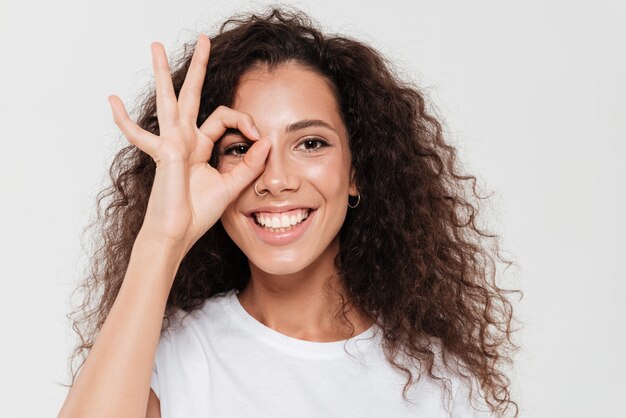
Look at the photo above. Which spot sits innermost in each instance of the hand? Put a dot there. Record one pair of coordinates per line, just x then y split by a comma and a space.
188, 195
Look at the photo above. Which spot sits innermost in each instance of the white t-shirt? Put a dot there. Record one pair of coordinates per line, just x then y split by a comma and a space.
221, 362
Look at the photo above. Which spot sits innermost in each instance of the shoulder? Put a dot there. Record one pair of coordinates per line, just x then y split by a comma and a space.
184, 349
460, 390
467, 397
468, 400
187, 327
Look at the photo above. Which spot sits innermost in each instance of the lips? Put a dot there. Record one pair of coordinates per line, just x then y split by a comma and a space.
280, 235
276, 220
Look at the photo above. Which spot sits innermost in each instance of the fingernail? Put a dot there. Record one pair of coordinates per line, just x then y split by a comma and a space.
255, 132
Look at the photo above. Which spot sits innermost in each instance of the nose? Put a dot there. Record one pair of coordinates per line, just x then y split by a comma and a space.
280, 174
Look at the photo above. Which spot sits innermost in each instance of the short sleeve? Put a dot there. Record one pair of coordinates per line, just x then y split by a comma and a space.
466, 407
158, 360
154, 381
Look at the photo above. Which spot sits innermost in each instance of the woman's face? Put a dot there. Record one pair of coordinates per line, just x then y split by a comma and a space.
307, 173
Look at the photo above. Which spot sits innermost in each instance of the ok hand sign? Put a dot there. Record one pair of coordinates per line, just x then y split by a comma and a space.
188, 195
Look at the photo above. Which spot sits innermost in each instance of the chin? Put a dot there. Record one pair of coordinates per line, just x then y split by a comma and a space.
282, 264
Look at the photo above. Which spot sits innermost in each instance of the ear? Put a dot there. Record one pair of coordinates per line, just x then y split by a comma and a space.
353, 189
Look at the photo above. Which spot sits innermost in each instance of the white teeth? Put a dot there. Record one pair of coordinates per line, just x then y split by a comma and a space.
280, 222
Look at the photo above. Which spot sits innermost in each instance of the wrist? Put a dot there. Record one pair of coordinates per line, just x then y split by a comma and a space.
161, 246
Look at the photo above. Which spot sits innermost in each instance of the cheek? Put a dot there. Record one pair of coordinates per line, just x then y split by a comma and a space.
229, 220
226, 218
330, 176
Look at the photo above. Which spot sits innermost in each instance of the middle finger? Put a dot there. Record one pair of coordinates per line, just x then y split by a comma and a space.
189, 97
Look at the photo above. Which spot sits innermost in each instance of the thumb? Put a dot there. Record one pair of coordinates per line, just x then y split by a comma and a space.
248, 169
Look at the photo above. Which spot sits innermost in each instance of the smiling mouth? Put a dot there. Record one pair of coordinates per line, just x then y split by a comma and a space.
281, 221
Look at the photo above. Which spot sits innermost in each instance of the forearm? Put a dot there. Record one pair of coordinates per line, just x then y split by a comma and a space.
115, 378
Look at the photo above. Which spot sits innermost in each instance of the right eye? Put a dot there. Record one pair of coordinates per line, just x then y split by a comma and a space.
237, 150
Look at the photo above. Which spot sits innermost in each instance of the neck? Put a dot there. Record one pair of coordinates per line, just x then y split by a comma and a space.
305, 305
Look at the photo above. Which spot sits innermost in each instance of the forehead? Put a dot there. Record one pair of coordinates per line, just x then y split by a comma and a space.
286, 94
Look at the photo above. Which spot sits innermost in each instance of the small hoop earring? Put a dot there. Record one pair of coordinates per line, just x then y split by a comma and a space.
257, 190
358, 200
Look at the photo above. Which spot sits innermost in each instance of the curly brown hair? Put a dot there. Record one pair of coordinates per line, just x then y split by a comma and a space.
411, 256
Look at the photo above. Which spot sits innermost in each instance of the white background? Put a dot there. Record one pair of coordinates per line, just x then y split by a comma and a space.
533, 93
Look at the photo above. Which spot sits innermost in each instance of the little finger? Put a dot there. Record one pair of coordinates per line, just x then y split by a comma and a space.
142, 139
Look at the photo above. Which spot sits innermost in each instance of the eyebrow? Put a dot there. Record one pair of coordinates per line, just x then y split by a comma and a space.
308, 123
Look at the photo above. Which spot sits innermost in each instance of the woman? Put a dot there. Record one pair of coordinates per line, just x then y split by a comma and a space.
291, 211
